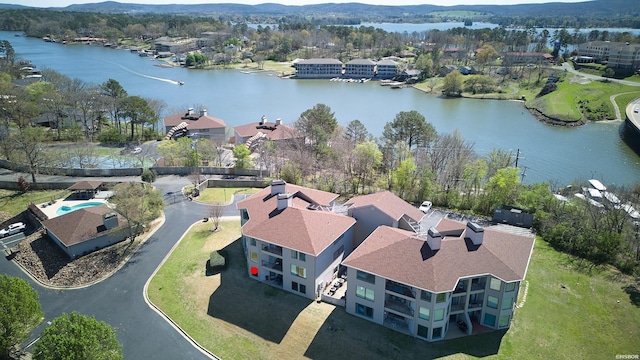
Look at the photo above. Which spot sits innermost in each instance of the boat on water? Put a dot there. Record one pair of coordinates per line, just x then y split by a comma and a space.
180, 82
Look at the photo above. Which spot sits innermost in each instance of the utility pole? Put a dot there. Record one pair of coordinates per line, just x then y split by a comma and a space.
517, 157
524, 173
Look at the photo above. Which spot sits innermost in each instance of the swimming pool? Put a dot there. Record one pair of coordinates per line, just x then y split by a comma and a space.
64, 209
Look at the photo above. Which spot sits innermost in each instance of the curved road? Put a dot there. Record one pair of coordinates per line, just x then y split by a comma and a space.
119, 300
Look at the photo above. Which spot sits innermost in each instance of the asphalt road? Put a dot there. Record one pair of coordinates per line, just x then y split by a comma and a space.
119, 300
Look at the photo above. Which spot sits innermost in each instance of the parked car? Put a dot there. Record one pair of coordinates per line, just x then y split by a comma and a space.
425, 206
12, 229
136, 150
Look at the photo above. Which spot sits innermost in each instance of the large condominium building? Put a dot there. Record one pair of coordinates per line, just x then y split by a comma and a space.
318, 68
614, 54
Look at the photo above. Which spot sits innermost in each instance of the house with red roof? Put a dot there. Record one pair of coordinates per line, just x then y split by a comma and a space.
454, 278
252, 133
295, 237
192, 123
381, 208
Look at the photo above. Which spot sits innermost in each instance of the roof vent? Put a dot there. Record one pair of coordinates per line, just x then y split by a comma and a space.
475, 233
284, 201
434, 238
277, 187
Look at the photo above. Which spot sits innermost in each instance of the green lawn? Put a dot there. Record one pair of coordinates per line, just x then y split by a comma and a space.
15, 202
223, 195
571, 311
580, 102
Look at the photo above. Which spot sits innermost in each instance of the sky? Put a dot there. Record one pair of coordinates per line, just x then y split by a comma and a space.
63, 3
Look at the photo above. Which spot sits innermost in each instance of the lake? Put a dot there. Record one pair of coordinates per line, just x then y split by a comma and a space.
547, 153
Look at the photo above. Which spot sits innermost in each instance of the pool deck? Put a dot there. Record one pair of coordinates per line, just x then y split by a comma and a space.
50, 210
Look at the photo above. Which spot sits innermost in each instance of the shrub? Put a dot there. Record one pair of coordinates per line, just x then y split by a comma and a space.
217, 261
149, 175
23, 184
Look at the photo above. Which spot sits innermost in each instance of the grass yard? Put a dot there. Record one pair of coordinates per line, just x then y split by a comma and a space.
579, 101
15, 202
238, 318
623, 99
223, 195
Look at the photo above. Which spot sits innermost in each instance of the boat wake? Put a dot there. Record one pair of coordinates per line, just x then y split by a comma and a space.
149, 76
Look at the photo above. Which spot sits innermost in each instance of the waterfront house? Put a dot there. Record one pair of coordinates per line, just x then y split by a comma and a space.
318, 68
85, 230
381, 208
454, 280
248, 134
360, 68
191, 123
294, 238
386, 69
513, 58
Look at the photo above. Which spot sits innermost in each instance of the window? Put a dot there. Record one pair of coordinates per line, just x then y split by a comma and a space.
364, 310
254, 256
252, 241
294, 254
298, 271
424, 313
245, 214
438, 315
509, 286
425, 295
504, 321
423, 331
437, 333
507, 303
495, 284
302, 257
492, 302
364, 293
303, 288
489, 320
440, 298
294, 286
361, 275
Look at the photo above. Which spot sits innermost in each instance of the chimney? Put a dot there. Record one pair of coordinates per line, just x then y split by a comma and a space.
474, 232
278, 121
263, 120
110, 220
277, 187
203, 112
284, 201
190, 111
434, 239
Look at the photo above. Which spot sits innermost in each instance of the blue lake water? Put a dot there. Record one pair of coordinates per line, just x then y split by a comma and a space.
548, 153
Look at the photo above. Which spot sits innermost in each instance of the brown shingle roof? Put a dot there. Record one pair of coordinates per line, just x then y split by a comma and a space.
273, 132
80, 225
388, 203
85, 185
401, 256
296, 227
195, 121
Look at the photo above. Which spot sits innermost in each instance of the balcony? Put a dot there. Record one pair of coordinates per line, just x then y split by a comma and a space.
400, 289
398, 306
478, 285
475, 303
272, 249
396, 323
277, 265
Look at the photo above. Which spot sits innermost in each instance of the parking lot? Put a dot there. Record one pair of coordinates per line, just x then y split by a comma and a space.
11, 240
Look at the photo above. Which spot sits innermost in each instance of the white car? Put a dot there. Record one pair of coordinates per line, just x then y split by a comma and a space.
425, 206
137, 150
12, 229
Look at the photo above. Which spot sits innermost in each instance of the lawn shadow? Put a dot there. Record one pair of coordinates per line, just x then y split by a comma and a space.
344, 336
634, 294
261, 309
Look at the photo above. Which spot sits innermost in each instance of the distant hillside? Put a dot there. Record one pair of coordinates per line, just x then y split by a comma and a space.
628, 9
